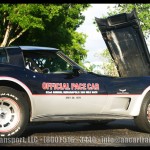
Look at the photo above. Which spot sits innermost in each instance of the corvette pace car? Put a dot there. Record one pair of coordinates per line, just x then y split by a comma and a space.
41, 84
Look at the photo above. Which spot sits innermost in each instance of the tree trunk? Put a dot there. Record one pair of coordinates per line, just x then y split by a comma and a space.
7, 35
16, 37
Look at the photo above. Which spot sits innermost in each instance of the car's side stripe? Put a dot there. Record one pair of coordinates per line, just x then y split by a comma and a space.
120, 95
30, 93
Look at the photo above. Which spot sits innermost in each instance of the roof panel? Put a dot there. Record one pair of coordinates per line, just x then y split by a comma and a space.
32, 48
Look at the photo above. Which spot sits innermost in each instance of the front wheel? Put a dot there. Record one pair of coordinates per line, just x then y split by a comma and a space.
14, 112
143, 120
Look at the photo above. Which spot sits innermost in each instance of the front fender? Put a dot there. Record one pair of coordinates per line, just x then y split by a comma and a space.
23, 86
135, 107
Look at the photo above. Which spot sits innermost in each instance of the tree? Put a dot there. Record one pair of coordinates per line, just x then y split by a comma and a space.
91, 67
108, 66
52, 25
16, 19
144, 17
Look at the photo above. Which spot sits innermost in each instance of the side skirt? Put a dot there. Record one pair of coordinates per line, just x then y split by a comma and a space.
78, 117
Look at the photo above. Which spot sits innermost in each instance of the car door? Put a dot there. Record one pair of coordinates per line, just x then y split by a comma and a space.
62, 91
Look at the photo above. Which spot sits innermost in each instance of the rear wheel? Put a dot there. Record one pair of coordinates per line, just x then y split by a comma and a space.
143, 120
14, 112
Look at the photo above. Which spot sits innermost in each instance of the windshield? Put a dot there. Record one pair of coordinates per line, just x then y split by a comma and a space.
49, 62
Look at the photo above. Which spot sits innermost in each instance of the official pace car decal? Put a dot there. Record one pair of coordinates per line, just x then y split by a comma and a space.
70, 88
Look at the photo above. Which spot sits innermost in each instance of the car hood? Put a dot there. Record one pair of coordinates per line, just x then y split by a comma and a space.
125, 41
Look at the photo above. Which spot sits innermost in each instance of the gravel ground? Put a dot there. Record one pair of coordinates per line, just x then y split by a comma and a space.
120, 133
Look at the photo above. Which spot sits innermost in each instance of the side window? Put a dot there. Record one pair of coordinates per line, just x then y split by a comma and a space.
56, 64
3, 56
46, 63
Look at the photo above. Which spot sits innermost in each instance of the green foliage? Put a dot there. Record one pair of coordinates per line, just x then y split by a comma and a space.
75, 50
22, 17
108, 66
52, 25
90, 67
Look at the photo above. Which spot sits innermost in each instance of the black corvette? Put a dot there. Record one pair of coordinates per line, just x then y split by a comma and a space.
40, 84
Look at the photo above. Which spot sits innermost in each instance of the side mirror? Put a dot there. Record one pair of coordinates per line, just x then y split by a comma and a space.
76, 71
46, 71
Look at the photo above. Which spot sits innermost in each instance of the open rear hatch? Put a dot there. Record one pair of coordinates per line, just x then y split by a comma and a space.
125, 41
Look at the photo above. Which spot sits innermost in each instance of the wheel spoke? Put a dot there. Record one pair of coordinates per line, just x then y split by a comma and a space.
2, 126
10, 106
9, 114
2, 103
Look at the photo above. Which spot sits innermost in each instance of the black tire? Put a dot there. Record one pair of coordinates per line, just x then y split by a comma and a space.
142, 121
14, 112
